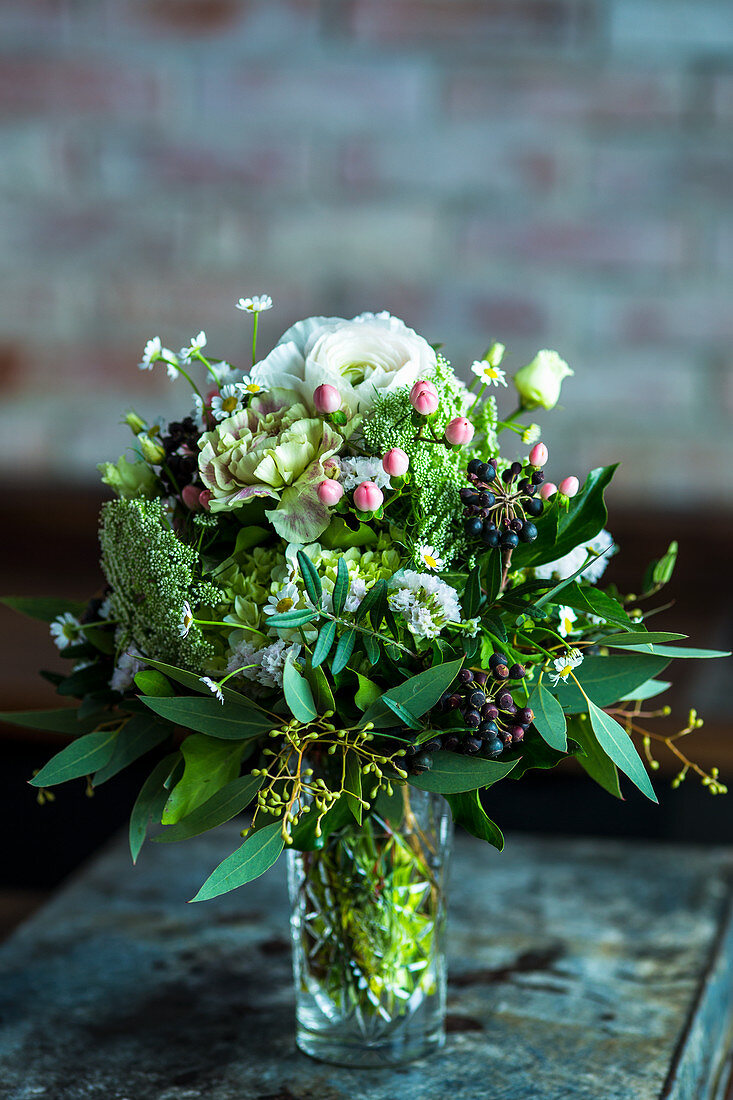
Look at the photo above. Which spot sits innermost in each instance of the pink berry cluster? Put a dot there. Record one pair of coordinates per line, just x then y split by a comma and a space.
424, 400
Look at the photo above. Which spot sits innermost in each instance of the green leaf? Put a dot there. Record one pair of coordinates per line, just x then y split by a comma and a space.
154, 683
616, 743
549, 718
192, 681
319, 685
471, 600
324, 642
209, 764
62, 720
298, 694
304, 831
341, 587
593, 759
367, 693
138, 736
80, 683
535, 753
345, 648
417, 695
311, 580
81, 757
493, 575
220, 808
585, 517
291, 619
258, 853
674, 651
402, 713
151, 801
207, 715
635, 638
352, 785
371, 648
43, 608
467, 811
549, 597
372, 599
451, 774
647, 690
592, 601
607, 679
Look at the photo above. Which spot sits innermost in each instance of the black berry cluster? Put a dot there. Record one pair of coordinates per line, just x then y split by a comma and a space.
500, 508
484, 700
180, 466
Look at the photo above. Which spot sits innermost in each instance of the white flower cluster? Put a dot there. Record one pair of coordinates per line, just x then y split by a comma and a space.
425, 601
264, 666
129, 664
356, 470
571, 562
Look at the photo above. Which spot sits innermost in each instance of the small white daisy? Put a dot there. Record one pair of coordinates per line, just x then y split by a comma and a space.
213, 687
284, 600
489, 374
173, 371
567, 618
65, 630
564, 666
186, 620
256, 304
197, 343
154, 351
427, 557
247, 387
226, 402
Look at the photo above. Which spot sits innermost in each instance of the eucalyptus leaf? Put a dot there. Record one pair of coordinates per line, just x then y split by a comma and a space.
402, 713
647, 690
152, 682
549, 718
298, 694
60, 720
209, 764
592, 601
138, 736
319, 685
192, 681
43, 608
345, 648
584, 519
82, 757
367, 693
593, 759
258, 853
452, 774
634, 638
324, 642
207, 715
468, 812
151, 800
304, 831
607, 679
616, 743
221, 807
675, 651
352, 785
417, 695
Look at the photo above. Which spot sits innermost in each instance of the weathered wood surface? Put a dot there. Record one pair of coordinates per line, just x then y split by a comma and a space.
579, 971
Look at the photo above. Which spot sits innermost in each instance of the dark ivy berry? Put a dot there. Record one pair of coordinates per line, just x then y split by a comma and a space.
534, 507
423, 762
487, 500
494, 747
489, 474
475, 465
501, 672
497, 659
490, 711
491, 538
525, 716
516, 525
472, 744
517, 672
528, 532
489, 729
482, 471
517, 734
450, 742
481, 677
538, 478
504, 699
473, 719
454, 701
465, 676
509, 540
477, 699
474, 525
432, 746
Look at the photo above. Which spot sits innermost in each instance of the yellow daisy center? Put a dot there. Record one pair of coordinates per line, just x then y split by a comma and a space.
430, 562
284, 605
229, 404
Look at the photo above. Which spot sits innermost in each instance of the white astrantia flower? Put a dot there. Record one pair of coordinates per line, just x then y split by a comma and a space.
129, 664
489, 374
186, 620
258, 303
65, 630
197, 344
154, 351
572, 561
225, 403
283, 600
426, 602
356, 470
213, 687
564, 666
567, 618
427, 557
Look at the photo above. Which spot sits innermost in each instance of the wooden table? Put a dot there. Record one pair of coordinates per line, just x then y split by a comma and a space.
579, 970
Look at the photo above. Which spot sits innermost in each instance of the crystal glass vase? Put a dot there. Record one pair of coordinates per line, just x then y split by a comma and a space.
368, 916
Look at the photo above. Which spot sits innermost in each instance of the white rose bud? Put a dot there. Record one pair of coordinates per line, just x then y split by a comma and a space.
538, 384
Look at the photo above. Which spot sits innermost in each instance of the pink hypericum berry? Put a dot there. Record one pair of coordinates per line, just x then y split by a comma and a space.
191, 497
547, 490
368, 496
204, 497
424, 397
396, 462
330, 492
538, 455
459, 431
569, 486
326, 399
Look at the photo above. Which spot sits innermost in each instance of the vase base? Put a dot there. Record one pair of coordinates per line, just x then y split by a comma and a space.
359, 1054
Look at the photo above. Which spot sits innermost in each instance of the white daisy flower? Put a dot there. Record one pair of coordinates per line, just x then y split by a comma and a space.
197, 343
213, 687
284, 600
65, 630
226, 403
564, 666
256, 304
186, 620
154, 351
567, 618
428, 558
489, 374
247, 387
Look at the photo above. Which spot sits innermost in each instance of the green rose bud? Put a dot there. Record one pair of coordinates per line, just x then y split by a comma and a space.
135, 422
538, 384
152, 452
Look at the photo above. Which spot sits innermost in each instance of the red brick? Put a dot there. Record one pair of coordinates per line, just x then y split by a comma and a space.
699, 317
509, 316
56, 86
254, 163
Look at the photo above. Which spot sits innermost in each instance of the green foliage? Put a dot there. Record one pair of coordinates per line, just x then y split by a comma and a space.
608, 679
82, 757
468, 812
152, 799
139, 735
592, 758
453, 774
549, 718
618, 746
209, 764
43, 608
258, 853
63, 720
230, 721
416, 695
221, 807
298, 694
560, 531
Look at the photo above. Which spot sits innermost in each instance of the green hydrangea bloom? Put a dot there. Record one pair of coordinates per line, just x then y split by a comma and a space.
152, 573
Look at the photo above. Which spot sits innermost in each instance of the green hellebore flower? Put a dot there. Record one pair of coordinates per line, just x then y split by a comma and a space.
129, 480
538, 384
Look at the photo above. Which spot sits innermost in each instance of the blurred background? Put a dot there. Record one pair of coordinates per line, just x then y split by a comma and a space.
548, 173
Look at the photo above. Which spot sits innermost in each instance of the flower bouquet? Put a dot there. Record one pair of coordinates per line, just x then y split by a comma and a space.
336, 596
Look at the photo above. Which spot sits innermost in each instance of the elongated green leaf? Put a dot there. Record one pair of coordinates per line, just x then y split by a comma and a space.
192, 681
345, 648
417, 695
324, 642
467, 811
152, 682
647, 690
591, 601
471, 600
319, 685
80, 683
298, 694
371, 648
252, 859
633, 638
138, 736
341, 587
402, 713
616, 743
209, 765
207, 715
311, 580
368, 692
585, 517
378, 609
493, 575
563, 584
292, 619
230, 800
452, 774
549, 718
151, 800
607, 679
81, 757
371, 599
62, 720
43, 608
675, 651
352, 785
592, 758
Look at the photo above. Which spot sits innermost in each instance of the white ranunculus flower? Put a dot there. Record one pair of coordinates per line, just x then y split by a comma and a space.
372, 353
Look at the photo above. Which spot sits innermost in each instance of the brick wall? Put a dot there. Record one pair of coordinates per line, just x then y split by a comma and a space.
548, 172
